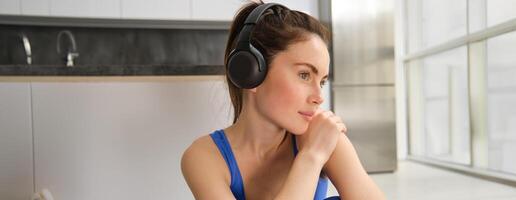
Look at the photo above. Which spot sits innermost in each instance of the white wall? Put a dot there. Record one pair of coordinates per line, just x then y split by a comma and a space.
121, 140
16, 182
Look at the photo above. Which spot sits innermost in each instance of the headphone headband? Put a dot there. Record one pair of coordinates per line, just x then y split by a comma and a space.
244, 36
255, 15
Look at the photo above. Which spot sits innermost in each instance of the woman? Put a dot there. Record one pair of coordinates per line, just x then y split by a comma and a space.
281, 145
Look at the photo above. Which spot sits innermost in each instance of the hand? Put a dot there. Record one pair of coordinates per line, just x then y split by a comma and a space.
321, 136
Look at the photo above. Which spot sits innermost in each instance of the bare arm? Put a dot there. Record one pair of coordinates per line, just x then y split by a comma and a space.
302, 179
347, 174
198, 170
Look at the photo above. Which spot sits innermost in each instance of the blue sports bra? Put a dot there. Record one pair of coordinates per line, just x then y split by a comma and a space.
237, 185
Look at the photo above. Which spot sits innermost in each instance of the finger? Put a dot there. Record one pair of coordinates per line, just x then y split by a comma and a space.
327, 113
318, 111
336, 118
331, 113
342, 127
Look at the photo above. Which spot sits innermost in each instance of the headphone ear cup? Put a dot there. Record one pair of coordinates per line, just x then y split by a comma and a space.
262, 65
246, 69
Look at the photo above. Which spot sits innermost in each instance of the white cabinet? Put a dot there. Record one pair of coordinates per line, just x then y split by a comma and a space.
85, 8
225, 10
35, 7
10, 7
63, 8
156, 9
205, 10
116, 140
16, 178
308, 6
219, 10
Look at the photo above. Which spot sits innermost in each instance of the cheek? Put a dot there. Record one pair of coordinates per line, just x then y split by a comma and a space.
281, 102
285, 96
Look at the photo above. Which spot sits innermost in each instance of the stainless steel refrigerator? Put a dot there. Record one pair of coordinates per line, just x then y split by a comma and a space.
363, 91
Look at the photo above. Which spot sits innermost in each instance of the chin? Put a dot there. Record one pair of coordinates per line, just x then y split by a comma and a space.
295, 125
298, 129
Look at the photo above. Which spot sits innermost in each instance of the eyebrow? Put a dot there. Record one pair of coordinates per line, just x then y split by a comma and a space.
313, 68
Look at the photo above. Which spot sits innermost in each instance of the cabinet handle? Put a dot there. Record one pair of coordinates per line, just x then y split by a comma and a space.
42, 195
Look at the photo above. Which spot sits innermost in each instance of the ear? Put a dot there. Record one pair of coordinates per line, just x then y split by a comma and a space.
253, 90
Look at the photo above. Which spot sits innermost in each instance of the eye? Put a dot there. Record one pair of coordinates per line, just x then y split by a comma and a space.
323, 83
304, 75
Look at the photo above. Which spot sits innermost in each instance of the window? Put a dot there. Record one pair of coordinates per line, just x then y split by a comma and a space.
501, 99
440, 107
428, 28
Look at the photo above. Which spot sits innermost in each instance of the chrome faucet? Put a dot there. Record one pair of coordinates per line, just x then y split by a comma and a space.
72, 53
26, 46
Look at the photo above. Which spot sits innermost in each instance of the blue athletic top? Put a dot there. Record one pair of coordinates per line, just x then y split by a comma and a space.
237, 185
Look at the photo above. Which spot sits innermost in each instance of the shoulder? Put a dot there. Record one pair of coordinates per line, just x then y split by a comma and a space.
202, 151
203, 166
201, 145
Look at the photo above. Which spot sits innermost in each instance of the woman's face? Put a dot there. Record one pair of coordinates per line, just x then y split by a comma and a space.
293, 84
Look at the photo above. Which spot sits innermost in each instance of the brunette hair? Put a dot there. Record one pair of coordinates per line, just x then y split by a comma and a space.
277, 28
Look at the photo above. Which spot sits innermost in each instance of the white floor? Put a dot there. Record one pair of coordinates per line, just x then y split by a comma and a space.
415, 181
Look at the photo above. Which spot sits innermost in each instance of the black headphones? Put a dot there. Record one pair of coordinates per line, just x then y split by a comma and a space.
247, 67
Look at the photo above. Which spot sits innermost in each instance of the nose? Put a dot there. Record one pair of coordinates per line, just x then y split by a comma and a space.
316, 97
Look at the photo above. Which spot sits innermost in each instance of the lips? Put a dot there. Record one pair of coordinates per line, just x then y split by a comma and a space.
309, 113
306, 114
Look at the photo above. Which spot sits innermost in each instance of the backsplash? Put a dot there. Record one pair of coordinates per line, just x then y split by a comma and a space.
114, 46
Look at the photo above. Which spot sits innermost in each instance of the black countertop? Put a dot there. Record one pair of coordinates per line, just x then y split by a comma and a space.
110, 70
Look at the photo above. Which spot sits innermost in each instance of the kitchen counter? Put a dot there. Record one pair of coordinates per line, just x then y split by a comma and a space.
82, 79
109, 73
121, 51
111, 70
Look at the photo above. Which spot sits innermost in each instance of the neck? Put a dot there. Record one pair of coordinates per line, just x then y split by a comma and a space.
256, 135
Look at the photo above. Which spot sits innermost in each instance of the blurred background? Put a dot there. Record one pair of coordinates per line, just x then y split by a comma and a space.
99, 99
